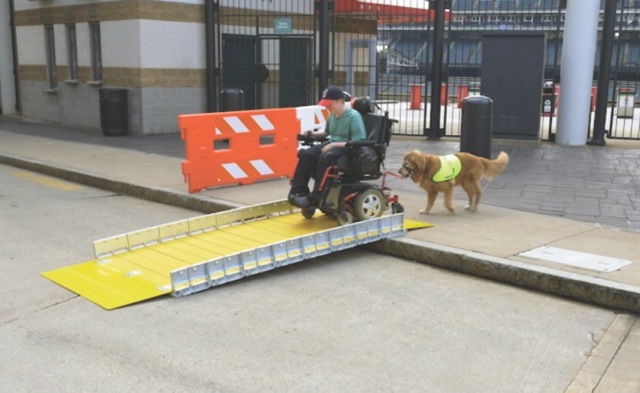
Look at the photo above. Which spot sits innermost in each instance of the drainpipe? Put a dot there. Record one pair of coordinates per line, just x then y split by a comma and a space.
604, 74
210, 9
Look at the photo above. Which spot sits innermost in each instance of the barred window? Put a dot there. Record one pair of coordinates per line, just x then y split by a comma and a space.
72, 52
96, 52
50, 49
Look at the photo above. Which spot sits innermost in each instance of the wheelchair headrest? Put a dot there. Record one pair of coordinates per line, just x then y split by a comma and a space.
362, 105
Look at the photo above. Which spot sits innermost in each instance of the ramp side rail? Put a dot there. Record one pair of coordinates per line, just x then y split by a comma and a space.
130, 241
218, 271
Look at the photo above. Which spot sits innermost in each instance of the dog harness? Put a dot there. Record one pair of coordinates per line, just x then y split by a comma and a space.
450, 167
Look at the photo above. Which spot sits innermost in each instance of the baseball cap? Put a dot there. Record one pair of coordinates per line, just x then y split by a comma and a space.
330, 94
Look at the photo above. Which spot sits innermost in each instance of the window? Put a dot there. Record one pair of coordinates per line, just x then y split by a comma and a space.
72, 53
96, 52
50, 49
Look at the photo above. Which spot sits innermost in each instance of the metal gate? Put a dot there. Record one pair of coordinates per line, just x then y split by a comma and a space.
387, 52
623, 121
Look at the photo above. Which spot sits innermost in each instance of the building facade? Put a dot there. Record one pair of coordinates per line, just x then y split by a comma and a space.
67, 50
57, 55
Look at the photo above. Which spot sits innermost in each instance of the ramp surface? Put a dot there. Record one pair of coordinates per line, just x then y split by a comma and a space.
192, 255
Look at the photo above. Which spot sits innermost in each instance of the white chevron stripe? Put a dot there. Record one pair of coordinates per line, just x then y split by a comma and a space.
261, 167
263, 122
236, 124
234, 170
311, 117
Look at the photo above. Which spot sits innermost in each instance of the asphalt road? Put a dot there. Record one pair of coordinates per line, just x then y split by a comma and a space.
353, 321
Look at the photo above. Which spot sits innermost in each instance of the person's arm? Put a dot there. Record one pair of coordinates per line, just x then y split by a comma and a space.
332, 145
358, 131
321, 134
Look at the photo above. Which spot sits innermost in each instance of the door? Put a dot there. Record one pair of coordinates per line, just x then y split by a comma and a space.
295, 72
239, 66
512, 76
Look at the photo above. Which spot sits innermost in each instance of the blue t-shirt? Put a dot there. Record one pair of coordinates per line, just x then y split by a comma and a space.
348, 127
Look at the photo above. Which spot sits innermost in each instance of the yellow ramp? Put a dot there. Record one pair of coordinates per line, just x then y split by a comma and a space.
144, 273
410, 225
137, 266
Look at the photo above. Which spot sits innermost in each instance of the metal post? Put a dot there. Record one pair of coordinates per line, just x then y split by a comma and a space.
576, 75
434, 131
210, 47
323, 75
604, 74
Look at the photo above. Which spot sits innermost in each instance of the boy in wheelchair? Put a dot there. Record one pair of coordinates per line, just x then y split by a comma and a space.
355, 152
344, 124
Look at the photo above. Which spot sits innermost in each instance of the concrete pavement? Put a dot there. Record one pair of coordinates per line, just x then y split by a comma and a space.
584, 199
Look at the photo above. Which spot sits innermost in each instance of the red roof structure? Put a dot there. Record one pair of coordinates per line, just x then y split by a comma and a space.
389, 11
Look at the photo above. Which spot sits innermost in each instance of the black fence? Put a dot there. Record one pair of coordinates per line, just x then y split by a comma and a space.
275, 54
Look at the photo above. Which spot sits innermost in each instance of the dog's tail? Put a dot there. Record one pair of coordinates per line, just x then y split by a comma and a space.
493, 168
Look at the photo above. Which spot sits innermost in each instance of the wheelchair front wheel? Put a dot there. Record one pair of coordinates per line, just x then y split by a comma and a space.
370, 203
345, 218
397, 208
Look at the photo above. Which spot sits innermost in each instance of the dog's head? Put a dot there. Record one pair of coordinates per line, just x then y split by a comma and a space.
413, 164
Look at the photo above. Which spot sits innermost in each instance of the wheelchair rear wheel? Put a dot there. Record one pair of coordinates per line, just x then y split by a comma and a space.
370, 203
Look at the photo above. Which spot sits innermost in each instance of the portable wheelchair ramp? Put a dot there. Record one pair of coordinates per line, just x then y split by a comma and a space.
192, 255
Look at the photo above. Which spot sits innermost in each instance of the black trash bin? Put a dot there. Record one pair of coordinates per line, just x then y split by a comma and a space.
231, 99
114, 111
477, 125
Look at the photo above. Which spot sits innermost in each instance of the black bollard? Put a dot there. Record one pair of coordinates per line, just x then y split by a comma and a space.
477, 126
231, 99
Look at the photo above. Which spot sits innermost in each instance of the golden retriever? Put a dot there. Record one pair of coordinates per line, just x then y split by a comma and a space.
424, 170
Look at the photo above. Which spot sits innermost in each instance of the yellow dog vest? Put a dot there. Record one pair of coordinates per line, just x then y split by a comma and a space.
450, 167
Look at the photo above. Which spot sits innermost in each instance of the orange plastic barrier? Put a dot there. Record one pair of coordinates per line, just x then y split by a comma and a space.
415, 97
463, 92
243, 147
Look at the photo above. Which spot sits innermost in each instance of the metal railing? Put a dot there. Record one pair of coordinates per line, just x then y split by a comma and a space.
386, 52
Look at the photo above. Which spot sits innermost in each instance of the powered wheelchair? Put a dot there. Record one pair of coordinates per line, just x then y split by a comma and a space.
346, 189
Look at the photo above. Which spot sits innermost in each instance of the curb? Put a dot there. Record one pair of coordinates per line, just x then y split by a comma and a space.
153, 194
569, 285
565, 284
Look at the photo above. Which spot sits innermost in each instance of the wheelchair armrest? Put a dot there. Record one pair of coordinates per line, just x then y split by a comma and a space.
354, 145
308, 140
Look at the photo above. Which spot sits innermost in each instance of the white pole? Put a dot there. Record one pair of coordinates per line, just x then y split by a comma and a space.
576, 76
7, 86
